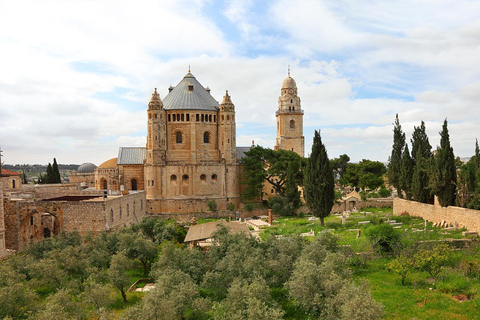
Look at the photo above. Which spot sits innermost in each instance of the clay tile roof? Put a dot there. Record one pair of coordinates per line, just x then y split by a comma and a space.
131, 155
112, 163
206, 230
189, 94
10, 172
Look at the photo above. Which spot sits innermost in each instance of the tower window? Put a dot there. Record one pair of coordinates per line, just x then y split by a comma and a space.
183, 117
185, 177
174, 117
188, 117
178, 137
292, 124
206, 137
203, 117
228, 117
169, 118
210, 118
134, 184
214, 177
173, 177
203, 177
291, 100
197, 116
214, 118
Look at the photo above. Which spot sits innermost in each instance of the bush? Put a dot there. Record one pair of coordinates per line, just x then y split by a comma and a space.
249, 207
212, 205
281, 206
384, 192
230, 206
383, 237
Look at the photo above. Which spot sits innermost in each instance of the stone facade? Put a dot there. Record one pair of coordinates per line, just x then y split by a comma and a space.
11, 181
190, 156
32, 220
467, 218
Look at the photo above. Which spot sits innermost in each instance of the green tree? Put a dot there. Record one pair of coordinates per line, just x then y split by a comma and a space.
420, 143
365, 174
402, 265
212, 205
444, 173
395, 160
339, 166
55, 172
136, 247
319, 192
432, 260
117, 273
406, 173
263, 164
420, 190
50, 178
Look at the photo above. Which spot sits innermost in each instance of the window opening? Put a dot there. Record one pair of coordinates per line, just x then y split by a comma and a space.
178, 137
206, 137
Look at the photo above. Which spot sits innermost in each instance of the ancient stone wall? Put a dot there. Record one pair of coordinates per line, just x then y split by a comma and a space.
34, 220
470, 219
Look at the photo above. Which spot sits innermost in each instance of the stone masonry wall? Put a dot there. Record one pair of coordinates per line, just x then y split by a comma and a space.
33, 220
470, 219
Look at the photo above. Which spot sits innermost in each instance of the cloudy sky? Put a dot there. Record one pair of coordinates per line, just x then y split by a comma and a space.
76, 76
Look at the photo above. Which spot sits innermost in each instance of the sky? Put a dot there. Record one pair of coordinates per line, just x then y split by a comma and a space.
76, 76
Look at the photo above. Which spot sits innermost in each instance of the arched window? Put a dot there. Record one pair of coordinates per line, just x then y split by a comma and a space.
134, 184
206, 137
105, 184
178, 137
292, 124
13, 184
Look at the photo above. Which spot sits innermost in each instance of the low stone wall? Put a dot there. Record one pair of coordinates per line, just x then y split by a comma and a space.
467, 218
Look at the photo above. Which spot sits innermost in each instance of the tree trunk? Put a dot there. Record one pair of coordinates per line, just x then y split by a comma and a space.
124, 296
322, 222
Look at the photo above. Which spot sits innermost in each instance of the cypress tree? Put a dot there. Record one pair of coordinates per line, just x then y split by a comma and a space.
319, 192
445, 173
50, 178
406, 173
395, 160
420, 191
56, 172
420, 143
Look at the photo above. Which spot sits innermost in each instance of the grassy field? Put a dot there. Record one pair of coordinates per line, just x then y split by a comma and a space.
421, 297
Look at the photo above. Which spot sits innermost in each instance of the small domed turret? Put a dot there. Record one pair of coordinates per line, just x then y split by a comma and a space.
155, 101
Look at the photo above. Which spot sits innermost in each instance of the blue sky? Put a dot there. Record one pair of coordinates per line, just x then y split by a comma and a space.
76, 76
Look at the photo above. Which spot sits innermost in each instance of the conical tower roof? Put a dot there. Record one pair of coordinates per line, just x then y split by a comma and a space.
189, 94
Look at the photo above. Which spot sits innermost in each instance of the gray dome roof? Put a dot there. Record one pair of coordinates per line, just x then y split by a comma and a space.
189, 94
86, 168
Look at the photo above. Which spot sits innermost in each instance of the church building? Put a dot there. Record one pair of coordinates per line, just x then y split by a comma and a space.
191, 156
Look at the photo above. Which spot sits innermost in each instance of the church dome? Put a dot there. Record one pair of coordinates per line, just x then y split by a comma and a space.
189, 94
86, 168
109, 164
289, 83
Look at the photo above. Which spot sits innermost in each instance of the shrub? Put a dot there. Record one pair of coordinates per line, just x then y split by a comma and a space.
230, 206
384, 192
383, 237
281, 206
212, 205
433, 260
249, 207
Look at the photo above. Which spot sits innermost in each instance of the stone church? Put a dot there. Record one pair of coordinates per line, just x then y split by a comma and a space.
191, 155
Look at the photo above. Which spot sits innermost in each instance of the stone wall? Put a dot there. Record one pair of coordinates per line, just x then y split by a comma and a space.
33, 220
2, 223
467, 218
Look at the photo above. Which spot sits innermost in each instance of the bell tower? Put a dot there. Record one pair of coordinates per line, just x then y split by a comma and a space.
227, 130
156, 139
290, 119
